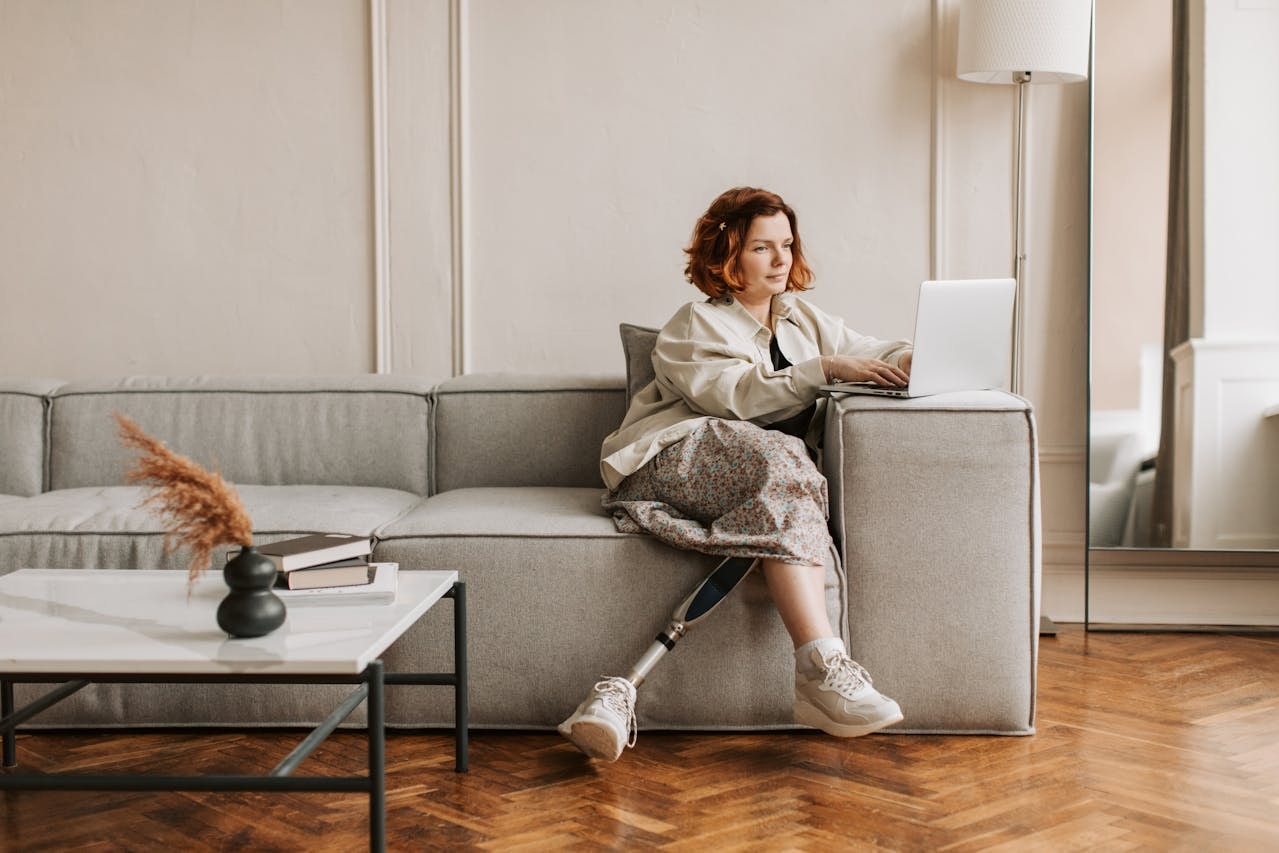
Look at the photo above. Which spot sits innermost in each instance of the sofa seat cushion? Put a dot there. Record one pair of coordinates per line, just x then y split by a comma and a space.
557, 598
107, 528
518, 511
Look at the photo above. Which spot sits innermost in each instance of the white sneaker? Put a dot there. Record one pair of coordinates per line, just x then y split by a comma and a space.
838, 698
604, 724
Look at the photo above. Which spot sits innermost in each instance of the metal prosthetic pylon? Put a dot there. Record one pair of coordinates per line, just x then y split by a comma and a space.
695, 608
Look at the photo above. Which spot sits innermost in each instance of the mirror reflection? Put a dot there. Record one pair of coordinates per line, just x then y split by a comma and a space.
1185, 308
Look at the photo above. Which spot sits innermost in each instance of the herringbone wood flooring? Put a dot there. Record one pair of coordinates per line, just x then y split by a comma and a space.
1154, 742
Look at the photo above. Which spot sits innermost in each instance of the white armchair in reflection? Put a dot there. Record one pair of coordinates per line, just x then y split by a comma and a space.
1115, 457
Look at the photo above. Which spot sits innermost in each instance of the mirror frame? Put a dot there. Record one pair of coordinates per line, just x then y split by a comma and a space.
1135, 559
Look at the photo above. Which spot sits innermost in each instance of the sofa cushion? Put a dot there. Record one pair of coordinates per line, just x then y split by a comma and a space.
350, 431
487, 430
22, 439
106, 528
637, 347
559, 597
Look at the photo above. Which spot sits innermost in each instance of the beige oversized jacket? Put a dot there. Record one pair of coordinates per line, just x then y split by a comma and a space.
712, 361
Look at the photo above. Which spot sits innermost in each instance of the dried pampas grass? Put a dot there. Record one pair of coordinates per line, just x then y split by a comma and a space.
203, 510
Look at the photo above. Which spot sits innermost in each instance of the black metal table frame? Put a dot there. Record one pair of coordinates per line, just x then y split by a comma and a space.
370, 681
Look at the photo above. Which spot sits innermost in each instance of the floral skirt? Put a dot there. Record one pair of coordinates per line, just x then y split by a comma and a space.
730, 488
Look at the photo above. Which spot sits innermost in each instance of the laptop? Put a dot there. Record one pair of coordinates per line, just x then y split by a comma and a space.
963, 340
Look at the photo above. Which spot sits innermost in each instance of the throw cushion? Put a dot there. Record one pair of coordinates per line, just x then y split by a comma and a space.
637, 344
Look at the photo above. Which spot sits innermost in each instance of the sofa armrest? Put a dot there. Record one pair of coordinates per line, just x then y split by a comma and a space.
935, 512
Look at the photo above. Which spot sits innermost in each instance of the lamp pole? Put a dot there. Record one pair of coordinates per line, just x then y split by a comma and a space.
1019, 247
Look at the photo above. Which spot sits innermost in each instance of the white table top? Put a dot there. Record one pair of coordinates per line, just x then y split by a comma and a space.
98, 621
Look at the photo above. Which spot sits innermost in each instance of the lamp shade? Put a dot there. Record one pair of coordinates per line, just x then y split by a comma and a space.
1001, 41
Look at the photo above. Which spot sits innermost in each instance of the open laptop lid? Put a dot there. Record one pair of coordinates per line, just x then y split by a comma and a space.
963, 336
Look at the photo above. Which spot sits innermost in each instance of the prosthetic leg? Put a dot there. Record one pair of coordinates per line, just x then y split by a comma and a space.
692, 610
604, 724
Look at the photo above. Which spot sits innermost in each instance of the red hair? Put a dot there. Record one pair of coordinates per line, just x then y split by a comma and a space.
720, 235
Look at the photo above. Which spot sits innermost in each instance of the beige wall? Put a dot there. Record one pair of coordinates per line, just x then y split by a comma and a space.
594, 147
1133, 113
1234, 173
185, 187
190, 186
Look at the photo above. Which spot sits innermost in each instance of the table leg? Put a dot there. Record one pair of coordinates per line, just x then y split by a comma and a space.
460, 710
377, 759
10, 735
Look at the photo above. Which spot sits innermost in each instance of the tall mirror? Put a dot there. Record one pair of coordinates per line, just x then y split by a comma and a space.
1184, 324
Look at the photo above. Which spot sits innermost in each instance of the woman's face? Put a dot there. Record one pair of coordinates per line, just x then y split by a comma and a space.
764, 265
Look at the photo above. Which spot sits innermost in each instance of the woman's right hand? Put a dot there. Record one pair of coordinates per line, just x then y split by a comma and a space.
848, 368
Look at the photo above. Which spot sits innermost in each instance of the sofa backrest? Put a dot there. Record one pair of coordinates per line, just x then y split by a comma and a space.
513, 430
22, 404
368, 430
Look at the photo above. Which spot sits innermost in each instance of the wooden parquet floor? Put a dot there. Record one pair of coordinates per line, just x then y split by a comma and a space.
1145, 742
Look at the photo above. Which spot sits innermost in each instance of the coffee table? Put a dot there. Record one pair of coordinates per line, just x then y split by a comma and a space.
77, 627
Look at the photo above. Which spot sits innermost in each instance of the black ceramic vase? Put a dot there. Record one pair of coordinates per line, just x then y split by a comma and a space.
250, 609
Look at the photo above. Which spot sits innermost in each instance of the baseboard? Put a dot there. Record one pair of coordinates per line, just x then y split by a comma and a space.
1177, 588
1062, 594
1062, 579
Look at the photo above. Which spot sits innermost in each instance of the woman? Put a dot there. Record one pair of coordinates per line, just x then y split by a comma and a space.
714, 455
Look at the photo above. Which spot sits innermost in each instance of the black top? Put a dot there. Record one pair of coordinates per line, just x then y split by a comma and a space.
796, 425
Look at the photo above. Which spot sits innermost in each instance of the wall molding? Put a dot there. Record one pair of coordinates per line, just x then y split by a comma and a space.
1063, 454
378, 50
459, 186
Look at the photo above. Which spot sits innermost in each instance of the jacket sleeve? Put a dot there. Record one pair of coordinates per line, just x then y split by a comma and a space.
865, 346
725, 378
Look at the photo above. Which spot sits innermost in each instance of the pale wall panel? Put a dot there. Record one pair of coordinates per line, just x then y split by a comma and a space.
1062, 486
185, 187
599, 132
976, 147
1133, 108
420, 244
1056, 267
1240, 172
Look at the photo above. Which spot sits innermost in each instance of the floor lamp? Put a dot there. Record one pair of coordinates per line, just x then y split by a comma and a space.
1022, 42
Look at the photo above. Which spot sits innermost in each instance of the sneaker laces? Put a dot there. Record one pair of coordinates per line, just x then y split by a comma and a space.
617, 695
843, 674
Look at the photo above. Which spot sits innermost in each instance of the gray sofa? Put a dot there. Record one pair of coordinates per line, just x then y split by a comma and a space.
934, 507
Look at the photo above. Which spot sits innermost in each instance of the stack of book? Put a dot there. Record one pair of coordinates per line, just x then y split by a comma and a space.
330, 568
320, 560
